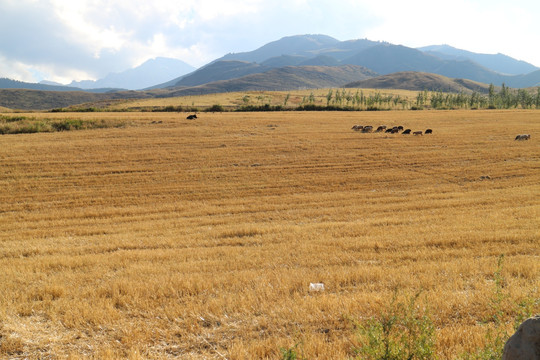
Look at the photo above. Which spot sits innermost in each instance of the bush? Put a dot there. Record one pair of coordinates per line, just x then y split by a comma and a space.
6, 118
497, 332
403, 331
290, 353
68, 124
265, 107
215, 108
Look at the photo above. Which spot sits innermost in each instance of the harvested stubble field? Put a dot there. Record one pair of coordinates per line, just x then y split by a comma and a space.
173, 238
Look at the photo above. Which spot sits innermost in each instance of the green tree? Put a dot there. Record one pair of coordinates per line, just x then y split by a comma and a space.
329, 97
491, 96
312, 98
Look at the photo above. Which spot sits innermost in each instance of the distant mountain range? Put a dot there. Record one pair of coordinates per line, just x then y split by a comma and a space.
385, 58
151, 72
313, 61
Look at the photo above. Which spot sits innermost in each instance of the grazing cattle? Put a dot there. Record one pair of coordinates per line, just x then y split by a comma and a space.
388, 131
367, 129
428, 131
417, 133
400, 128
357, 127
380, 128
523, 137
395, 130
406, 131
191, 117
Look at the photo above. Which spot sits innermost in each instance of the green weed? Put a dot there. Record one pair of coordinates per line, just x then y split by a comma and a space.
402, 331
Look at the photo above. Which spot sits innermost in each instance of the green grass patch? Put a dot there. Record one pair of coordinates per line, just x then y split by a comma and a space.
29, 125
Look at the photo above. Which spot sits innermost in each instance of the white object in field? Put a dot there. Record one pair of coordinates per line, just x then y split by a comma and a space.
316, 287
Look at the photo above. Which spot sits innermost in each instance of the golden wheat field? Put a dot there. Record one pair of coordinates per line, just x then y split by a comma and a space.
198, 239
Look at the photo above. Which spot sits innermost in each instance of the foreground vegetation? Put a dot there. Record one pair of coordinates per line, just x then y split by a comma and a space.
21, 124
199, 238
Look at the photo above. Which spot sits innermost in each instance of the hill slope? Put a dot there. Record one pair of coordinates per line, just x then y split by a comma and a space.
286, 78
417, 81
220, 70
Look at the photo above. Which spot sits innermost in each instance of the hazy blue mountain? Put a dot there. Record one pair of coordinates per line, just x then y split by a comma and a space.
497, 62
152, 72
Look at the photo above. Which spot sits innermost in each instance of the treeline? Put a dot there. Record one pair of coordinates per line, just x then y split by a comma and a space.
506, 98
359, 101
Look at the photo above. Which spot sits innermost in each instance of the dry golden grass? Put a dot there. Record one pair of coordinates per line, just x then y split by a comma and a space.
235, 99
198, 239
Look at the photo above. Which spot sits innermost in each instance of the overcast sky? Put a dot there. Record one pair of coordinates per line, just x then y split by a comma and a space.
65, 40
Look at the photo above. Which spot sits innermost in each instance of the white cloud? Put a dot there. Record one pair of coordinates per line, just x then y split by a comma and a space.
90, 38
487, 26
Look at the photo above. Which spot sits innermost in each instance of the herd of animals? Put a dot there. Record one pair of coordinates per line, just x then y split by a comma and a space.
392, 130
397, 129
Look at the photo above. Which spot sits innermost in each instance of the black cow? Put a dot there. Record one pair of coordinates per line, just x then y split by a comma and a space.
428, 131
367, 129
406, 131
191, 117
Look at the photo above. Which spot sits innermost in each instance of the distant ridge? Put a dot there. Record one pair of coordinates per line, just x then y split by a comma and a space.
304, 45
418, 81
15, 84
